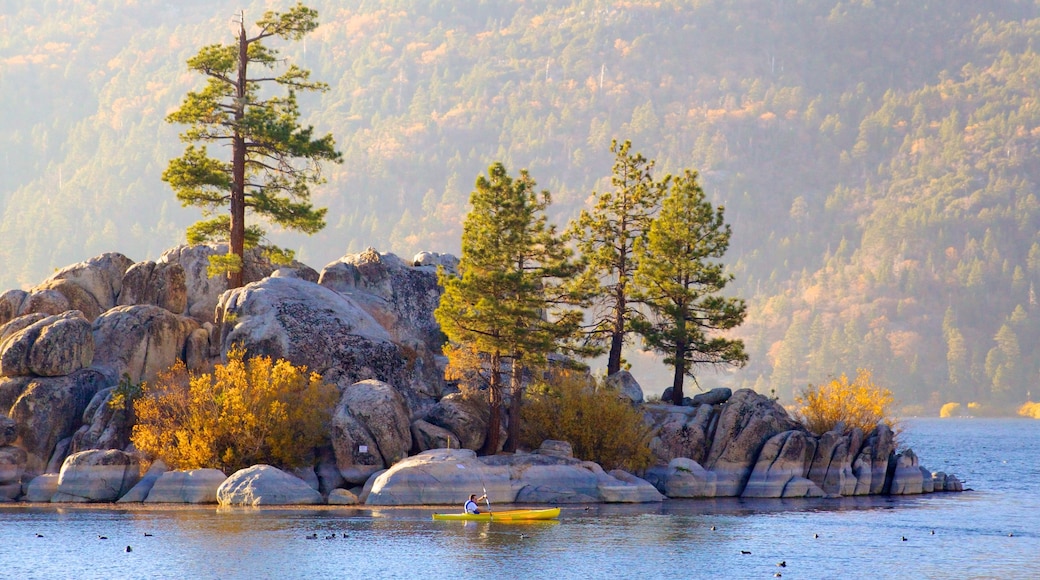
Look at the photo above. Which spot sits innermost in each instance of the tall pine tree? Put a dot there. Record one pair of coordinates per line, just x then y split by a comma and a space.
681, 283
274, 160
504, 303
605, 237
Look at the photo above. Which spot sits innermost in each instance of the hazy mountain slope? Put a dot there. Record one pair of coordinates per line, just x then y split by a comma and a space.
824, 127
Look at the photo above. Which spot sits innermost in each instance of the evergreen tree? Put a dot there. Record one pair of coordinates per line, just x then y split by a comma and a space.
506, 303
680, 284
274, 160
606, 236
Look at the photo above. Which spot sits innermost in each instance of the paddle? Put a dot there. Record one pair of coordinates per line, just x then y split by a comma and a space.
486, 500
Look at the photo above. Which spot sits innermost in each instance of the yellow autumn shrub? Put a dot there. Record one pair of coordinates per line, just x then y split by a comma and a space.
599, 426
244, 412
858, 404
950, 410
1030, 409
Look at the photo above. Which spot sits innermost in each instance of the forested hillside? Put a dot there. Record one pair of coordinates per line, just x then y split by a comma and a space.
878, 159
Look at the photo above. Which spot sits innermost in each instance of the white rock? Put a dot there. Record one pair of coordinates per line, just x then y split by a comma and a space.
194, 487
265, 485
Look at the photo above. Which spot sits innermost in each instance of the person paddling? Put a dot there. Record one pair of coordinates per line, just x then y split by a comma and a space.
471, 504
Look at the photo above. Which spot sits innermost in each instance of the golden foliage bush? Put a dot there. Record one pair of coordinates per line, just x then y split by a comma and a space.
859, 404
599, 425
1030, 409
243, 413
950, 410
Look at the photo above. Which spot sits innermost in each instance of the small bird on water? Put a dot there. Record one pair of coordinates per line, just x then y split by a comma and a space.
782, 563
39, 535
904, 538
713, 528
100, 537
816, 535
129, 549
745, 552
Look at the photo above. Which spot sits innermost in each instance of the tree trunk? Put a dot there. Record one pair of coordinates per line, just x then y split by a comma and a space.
495, 403
236, 245
680, 373
617, 340
516, 388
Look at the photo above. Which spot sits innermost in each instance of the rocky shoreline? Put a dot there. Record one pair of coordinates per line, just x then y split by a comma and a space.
400, 434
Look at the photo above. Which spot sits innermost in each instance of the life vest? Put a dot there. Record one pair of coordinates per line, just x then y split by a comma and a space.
471, 507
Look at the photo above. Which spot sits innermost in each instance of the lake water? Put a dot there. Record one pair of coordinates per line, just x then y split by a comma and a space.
991, 532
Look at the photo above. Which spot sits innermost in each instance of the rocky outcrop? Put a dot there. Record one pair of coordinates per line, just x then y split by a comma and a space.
53, 346
342, 497
780, 469
97, 476
426, 436
140, 341
8, 430
437, 260
747, 421
198, 486
626, 385
50, 409
160, 284
10, 305
265, 485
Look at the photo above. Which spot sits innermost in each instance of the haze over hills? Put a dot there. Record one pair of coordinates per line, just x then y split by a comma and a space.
878, 160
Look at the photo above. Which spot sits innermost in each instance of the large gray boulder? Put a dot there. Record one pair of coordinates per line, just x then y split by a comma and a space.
780, 466
50, 409
161, 284
715, 396
626, 385
313, 326
265, 485
100, 277
440, 477
140, 341
685, 478
10, 305
402, 297
97, 476
197, 486
464, 415
907, 478
381, 410
747, 421
139, 492
42, 488
54, 346
681, 431
426, 436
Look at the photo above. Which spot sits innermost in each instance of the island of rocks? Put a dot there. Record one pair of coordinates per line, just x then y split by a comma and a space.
400, 434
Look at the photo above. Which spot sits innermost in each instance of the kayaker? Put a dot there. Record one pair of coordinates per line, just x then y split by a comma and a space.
471, 505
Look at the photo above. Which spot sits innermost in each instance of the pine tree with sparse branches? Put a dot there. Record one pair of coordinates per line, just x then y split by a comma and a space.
274, 160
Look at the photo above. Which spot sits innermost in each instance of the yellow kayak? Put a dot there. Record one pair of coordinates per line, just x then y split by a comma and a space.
504, 515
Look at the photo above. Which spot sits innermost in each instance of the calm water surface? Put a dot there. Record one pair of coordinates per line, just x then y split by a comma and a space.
991, 532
